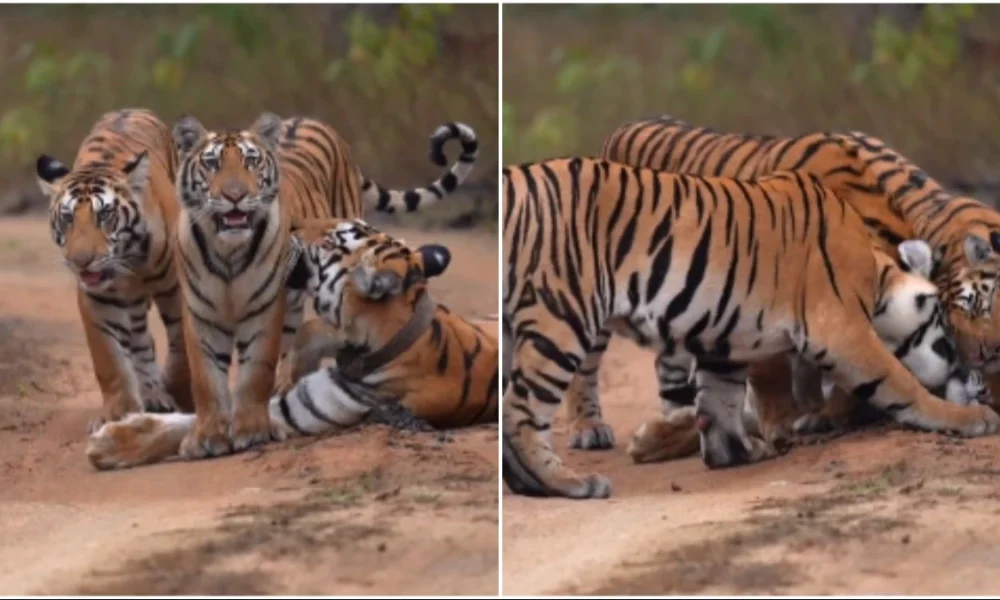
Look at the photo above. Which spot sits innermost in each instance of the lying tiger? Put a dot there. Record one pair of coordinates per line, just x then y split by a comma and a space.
392, 342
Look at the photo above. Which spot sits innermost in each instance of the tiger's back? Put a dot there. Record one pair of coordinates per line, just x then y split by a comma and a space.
319, 176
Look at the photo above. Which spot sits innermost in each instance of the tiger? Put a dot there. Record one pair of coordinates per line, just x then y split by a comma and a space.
394, 346
897, 201
721, 271
909, 321
112, 216
240, 192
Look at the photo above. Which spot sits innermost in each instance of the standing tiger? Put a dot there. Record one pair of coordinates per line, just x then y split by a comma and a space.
896, 200
721, 271
241, 191
394, 346
112, 216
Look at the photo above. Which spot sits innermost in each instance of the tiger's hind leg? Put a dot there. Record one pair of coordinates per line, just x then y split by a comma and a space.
857, 361
588, 431
546, 358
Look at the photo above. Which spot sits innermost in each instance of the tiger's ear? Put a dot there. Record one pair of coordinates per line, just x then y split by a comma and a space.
137, 173
268, 127
977, 250
187, 133
49, 172
435, 258
917, 255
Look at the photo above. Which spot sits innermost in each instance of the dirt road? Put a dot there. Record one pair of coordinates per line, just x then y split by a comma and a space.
883, 511
374, 511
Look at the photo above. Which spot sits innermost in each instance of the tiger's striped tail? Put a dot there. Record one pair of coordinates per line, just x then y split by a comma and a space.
384, 200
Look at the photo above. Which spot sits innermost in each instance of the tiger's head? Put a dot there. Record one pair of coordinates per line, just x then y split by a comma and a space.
911, 320
973, 313
228, 180
363, 282
96, 217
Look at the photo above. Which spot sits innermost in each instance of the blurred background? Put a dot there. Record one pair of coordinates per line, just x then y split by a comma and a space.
384, 76
924, 78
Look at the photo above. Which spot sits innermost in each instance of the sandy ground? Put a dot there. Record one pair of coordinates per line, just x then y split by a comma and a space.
881, 511
374, 511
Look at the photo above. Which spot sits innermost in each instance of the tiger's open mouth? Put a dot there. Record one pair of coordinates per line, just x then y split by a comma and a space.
234, 220
95, 278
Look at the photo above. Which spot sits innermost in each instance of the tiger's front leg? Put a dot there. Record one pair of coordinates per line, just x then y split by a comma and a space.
155, 397
860, 364
176, 372
258, 342
289, 370
209, 351
315, 340
105, 327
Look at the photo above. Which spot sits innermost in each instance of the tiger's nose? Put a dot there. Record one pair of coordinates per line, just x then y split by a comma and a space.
234, 192
81, 259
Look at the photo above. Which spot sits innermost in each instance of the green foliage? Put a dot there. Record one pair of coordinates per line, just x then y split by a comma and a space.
763, 68
379, 56
903, 60
226, 63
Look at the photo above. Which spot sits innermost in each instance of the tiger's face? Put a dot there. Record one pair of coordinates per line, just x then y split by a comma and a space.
358, 276
96, 217
228, 179
973, 313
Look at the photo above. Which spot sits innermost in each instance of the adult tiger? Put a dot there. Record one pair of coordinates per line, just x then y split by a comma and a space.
717, 270
896, 200
240, 192
909, 321
394, 345
112, 216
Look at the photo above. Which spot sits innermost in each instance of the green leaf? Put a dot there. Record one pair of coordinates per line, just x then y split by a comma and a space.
711, 46
42, 75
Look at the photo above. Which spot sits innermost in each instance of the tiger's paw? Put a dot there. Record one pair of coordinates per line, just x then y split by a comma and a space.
157, 400
207, 439
985, 421
665, 438
591, 434
813, 423
250, 427
115, 409
528, 473
120, 444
